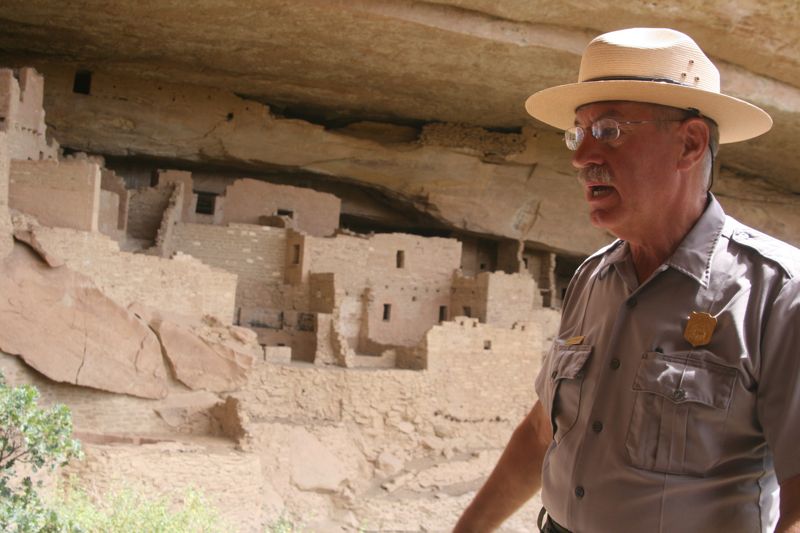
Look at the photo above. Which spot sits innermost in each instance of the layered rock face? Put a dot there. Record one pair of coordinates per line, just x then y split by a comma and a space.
185, 91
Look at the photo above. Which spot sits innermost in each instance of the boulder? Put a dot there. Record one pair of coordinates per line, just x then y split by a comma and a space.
314, 467
59, 323
215, 358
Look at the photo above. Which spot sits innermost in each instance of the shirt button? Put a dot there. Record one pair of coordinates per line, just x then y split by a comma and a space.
631, 303
554, 374
597, 426
579, 492
679, 394
614, 364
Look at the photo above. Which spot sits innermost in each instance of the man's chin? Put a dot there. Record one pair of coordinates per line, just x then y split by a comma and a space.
603, 220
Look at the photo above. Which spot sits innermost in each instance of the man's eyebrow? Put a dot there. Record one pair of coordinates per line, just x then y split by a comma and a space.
611, 113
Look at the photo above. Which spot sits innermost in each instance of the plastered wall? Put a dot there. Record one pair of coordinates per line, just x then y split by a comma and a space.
6, 242
181, 285
312, 212
61, 194
108, 215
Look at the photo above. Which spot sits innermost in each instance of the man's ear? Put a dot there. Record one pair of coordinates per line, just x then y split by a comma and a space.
695, 136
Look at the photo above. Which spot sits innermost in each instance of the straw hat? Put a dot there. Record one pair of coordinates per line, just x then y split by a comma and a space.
655, 65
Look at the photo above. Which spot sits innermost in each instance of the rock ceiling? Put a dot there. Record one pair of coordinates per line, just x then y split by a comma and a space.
407, 62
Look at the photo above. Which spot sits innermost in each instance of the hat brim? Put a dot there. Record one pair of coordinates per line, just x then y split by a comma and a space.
737, 120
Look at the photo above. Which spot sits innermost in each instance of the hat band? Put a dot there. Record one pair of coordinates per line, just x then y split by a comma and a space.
636, 78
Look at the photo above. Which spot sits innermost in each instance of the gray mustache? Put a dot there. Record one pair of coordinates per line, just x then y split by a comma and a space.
595, 173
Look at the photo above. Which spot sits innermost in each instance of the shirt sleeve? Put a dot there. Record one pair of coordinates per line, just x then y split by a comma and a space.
779, 384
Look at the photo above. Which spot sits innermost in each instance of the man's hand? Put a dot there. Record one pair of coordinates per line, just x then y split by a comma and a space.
790, 506
515, 479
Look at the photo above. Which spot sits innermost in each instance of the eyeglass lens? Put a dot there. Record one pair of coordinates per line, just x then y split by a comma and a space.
605, 130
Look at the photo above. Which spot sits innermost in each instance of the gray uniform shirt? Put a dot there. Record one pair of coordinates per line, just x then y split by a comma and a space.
652, 434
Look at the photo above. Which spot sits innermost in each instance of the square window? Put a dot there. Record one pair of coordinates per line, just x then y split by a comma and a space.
205, 202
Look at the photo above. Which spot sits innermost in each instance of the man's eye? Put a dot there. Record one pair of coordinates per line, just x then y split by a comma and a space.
608, 133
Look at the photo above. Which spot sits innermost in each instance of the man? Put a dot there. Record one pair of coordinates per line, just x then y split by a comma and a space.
670, 398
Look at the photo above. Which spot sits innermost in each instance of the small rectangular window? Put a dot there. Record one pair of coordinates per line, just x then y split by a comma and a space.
467, 311
82, 83
387, 312
442, 313
295, 254
401, 259
487, 345
286, 213
205, 202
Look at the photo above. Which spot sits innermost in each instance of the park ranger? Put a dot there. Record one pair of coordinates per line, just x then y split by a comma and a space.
669, 400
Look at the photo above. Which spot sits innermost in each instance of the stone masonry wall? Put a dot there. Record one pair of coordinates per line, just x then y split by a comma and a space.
180, 285
507, 361
109, 181
400, 313
393, 257
510, 298
312, 212
146, 210
344, 255
170, 218
469, 296
189, 198
60, 194
22, 115
254, 253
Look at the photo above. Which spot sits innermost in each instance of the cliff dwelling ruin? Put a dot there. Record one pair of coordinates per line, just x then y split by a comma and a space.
314, 283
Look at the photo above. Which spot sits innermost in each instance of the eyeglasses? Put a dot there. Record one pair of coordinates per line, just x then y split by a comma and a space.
604, 130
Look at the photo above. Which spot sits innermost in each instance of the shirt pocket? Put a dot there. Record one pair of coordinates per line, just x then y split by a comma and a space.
563, 384
681, 402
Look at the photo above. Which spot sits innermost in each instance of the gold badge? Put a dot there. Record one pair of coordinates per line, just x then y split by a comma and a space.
572, 341
699, 328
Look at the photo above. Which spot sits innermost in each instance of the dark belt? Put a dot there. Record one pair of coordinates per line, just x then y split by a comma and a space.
549, 525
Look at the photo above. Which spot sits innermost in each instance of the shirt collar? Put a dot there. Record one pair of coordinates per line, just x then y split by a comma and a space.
693, 255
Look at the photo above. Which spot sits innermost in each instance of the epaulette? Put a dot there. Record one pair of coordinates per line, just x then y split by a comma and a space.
783, 254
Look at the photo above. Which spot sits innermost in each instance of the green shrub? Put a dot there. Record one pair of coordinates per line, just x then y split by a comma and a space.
36, 439
129, 510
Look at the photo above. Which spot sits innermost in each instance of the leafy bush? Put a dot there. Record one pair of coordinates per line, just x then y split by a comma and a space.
41, 439
36, 439
129, 510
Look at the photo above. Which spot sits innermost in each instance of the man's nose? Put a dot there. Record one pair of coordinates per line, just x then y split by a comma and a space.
588, 152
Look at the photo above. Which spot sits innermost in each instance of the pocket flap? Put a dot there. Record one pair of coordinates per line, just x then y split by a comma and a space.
684, 377
571, 360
